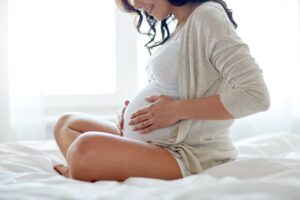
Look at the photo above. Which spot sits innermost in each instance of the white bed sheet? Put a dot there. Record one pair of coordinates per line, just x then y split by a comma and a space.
268, 168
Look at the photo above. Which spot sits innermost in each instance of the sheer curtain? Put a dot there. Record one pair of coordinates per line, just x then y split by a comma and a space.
50, 46
22, 106
272, 31
4, 111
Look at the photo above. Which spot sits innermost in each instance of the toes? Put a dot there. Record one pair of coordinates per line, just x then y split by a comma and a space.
58, 168
62, 170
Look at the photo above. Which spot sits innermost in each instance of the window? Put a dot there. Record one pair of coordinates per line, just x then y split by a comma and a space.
75, 51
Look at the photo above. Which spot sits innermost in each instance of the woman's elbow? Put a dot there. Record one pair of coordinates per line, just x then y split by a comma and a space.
256, 102
264, 102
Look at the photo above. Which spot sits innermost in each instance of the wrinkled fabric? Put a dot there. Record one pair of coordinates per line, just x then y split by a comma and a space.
213, 60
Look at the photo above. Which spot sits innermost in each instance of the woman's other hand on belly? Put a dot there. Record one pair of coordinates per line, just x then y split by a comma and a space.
120, 118
162, 112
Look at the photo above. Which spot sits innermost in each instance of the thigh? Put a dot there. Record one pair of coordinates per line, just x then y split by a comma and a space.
70, 126
98, 156
86, 123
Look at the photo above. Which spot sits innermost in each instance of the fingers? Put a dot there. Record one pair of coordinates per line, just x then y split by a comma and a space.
139, 112
121, 121
118, 121
126, 102
144, 128
119, 127
152, 98
145, 110
120, 117
142, 125
147, 130
138, 119
141, 120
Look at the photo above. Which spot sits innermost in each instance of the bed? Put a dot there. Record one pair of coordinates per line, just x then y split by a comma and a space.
268, 167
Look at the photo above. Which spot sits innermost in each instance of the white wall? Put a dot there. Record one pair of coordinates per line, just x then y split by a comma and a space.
4, 106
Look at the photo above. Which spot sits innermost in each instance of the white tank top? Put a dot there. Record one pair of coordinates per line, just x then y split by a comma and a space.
162, 73
162, 66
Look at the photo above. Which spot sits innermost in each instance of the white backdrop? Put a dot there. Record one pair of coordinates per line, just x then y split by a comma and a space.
272, 31
4, 122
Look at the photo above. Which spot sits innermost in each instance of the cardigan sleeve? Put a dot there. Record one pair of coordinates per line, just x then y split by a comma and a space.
247, 92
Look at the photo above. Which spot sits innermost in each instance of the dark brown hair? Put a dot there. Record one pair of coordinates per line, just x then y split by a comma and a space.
163, 25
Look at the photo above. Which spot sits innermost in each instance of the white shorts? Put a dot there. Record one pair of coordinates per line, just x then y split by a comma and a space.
184, 171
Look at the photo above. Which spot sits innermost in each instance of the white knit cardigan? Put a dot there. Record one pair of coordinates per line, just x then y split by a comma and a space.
213, 60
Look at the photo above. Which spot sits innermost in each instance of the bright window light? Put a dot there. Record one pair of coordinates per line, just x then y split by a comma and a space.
71, 43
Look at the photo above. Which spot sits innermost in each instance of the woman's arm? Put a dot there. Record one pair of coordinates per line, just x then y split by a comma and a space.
244, 92
206, 108
165, 111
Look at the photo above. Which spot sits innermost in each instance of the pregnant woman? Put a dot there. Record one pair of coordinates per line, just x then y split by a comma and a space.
202, 78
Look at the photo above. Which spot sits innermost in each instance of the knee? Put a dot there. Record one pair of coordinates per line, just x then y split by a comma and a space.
62, 123
78, 156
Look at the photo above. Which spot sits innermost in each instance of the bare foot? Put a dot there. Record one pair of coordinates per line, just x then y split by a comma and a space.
62, 170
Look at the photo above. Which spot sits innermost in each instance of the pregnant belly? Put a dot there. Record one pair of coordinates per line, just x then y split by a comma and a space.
139, 102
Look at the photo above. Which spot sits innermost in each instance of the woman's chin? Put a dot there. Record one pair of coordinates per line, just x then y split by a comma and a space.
158, 17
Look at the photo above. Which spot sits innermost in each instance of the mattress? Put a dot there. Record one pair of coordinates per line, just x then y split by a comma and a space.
268, 167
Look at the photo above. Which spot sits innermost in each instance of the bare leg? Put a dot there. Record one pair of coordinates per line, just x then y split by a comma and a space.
104, 155
100, 156
70, 126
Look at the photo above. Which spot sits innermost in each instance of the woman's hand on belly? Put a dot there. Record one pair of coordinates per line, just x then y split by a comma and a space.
162, 112
120, 118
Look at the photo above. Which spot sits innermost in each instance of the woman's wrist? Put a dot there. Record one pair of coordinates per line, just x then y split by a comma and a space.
179, 111
206, 108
